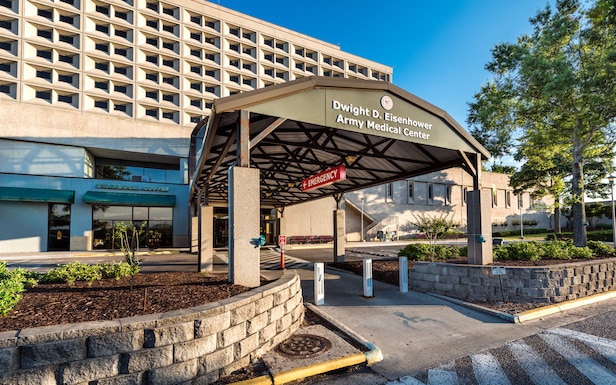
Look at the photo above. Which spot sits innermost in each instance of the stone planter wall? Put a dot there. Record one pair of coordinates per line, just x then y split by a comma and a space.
189, 346
546, 284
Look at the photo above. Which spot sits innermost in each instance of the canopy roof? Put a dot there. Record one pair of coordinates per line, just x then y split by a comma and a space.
297, 129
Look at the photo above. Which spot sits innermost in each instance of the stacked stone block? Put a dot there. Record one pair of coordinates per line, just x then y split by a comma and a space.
544, 284
188, 346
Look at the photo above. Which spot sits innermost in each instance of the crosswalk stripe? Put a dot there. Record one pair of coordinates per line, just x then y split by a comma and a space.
534, 365
442, 377
406, 380
586, 365
488, 371
603, 346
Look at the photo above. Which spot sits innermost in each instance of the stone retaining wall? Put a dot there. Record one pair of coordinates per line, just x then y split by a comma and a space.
544, 284
188, 346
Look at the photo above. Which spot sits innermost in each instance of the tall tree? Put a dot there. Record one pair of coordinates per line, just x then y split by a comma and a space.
552, 102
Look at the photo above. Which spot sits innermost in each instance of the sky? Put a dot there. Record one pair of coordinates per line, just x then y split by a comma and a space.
438, 49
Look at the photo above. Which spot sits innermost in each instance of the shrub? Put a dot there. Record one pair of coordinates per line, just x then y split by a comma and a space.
12, 284
72, 272
422, 252
499, 252
600, 249
415, 252
554, 250
118, 270
523, 251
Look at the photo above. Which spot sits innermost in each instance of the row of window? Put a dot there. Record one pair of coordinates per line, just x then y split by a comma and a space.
53, 34
439, 193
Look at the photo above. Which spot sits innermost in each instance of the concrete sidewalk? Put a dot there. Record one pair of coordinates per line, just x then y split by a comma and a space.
413, 330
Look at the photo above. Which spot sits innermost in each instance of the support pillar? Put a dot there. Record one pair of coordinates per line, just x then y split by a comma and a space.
479, 224
339, 235
194, 234
206, 240
244, 218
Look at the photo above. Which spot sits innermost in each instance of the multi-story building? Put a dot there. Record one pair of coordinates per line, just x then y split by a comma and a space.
99, 99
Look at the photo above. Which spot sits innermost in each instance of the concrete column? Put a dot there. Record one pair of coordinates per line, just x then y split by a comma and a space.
244, 205
339, 235
206, 245
194, 234
479, 226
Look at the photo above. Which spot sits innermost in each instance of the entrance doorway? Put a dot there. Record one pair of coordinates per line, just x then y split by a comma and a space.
59, 228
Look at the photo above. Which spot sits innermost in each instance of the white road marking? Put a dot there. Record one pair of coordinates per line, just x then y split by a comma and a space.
603, 346
534, 365
488, 371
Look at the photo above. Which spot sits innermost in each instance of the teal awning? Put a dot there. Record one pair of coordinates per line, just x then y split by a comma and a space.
128, 199
22, 194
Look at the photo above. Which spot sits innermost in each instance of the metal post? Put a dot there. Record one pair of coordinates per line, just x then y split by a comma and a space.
362, 219
368, 289
521, 202
403, 268
319, 284
611, 180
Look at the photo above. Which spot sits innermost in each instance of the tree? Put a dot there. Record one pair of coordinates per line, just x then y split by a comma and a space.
434, 228
552, 102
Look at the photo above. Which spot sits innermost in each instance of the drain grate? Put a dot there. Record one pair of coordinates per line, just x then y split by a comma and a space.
303, 346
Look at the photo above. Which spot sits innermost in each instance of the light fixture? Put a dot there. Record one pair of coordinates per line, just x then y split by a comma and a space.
350, 159
291, 184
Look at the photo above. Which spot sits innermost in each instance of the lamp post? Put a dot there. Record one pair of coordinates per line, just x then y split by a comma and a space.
362, 218
611, 180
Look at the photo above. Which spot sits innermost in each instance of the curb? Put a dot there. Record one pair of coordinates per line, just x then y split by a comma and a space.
533, 314
371, 356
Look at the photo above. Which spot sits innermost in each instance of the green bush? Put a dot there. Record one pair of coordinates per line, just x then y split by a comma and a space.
601, 249
421, 252
554, 250
12, 284
72, 272
415, 251
118, 270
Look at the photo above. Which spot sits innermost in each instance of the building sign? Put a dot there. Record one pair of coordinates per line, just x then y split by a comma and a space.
130, 187
324, 178
382, 120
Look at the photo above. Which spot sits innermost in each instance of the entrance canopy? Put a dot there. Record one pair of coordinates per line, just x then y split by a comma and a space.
298, 129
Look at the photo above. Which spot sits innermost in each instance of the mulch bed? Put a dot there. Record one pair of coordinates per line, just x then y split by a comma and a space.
108, 299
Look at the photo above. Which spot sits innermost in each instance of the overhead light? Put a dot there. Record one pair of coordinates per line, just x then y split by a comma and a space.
350, 159
291, 184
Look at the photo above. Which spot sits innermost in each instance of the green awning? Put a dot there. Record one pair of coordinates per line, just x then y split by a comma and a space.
128, 199
21, 194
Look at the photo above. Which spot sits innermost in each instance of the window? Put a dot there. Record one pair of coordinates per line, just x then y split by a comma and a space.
67, 58
507, 199
169, 115
44, 95
121, 15
43, 74
195, 103
67, 19
195, 69
195, 86
102, 47
102, 28
45, 34
151, 95
448, 193
210, 73
494, 197
195, 36
168, 97
388, 192
152, 77
411, 193
152, 113
65, 98
102, 85
430, 193
169, 28
520, 201
102, 66
103, 10
152, 41
121, 107
121, 33
152, 24
169, 45
102, 104
122, 52
46, 13
152, 59
70, 39
196, 53
66, 78
120, 89
464, 193
195, 19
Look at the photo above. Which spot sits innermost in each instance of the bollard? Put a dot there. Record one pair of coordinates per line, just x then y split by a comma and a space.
368, 290
319, 284
403, 267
